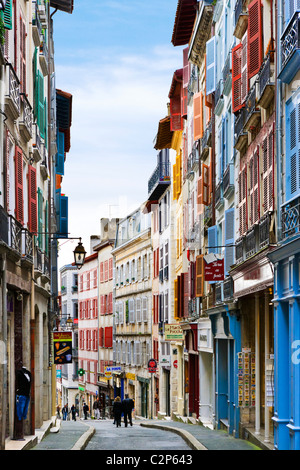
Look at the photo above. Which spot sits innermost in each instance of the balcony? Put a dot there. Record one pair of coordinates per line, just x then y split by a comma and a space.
228, 289
37, 144
208, 216
290, 50
25, 124
159, 181
38, 261
15, 237
201, 33
227, 75
12, 99
251, 242
206, 142
239, 250
44, 57
266, 83
36, 25
265, 236
3, 226
193, 238
252, 112
241, 18
219, 199
27, 248
219, 292
219, 99
228, 181
290, 218
240, 135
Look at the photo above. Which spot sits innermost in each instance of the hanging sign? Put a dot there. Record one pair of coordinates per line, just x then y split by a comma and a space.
213, 267
173, 332
62, 341
152, 366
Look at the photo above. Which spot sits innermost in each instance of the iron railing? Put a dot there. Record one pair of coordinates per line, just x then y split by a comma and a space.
290, 218
228, 179
161, 174
15, 234
264, 77
290, 40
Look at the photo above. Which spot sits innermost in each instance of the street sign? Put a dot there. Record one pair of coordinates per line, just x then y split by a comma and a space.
213, 267
152, 366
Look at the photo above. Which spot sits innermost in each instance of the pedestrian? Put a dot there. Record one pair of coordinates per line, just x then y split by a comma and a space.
73, 411
128, 405
96, 408
85, 410
117, 411
58, 412
65, 411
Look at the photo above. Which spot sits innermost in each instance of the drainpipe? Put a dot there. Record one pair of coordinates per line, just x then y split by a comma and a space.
267, 355
257, 366
3, 349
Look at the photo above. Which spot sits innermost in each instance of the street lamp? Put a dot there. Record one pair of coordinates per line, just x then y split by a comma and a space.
79, 255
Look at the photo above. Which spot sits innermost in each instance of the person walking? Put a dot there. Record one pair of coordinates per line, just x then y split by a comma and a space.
85, 410
128, 405
96, 408
73, 411
65, 412
58, 412
117, 411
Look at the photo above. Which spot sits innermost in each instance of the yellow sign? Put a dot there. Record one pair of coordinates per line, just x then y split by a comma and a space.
173, 332
130, 376
107, 373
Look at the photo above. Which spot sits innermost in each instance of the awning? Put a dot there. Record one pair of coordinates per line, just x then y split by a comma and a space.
184, 22
63, 5
164, 134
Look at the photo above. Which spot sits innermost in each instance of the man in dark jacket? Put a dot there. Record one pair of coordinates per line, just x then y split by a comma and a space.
128, 406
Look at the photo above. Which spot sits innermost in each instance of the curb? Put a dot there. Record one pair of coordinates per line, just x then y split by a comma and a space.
189, 438
84, 439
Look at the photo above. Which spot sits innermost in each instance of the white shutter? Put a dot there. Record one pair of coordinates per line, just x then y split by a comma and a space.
117, 313
244, 78
145, 309
138, 311
131, 310
121, 313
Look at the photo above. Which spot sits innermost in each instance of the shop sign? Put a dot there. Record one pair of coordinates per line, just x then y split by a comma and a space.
62, 343
173, 332
213, 267
165, 361
113, 369
130, 376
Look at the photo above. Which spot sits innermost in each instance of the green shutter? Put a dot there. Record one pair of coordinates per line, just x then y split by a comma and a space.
46, 123
6, 15
46, 229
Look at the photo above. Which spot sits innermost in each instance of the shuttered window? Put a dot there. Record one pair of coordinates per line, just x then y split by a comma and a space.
32, 200
22, 56
293, 147
236, 77
243, 200
199, 276
60, 156
19, 207
6, 15
176, 313
176, 123
108, 335
198, 116
254, 189
186, 68
268, 172
229, 240
211, 65
205, 184
255, 38
244, 69
212, 233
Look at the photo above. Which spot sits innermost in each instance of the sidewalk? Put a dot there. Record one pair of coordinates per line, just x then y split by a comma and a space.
70, 435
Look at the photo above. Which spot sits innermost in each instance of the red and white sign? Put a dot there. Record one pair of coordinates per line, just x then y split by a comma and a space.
213, 268
175, 364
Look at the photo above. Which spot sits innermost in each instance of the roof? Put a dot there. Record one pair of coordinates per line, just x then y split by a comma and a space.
164, 134
184, 22
63, 5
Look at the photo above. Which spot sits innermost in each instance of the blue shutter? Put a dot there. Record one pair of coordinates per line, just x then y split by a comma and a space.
60, 156
211, 65
290, 7
212, 234
292, 147
63, 229
229, 240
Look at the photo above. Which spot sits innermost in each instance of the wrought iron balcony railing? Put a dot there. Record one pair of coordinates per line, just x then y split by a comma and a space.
12, 99
228, 181
239, 250
241, 19
266, 83
26, 120
15, 235
219, 201
240, 135
290, 218
250, 242
27, 246
252, 113
228, 289
159, 179
290, 49
3, 226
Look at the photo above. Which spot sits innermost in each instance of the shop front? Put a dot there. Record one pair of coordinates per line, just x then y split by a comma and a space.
206, 373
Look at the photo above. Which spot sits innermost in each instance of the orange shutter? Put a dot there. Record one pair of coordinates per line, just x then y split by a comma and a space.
174, 182
198, 116
176, 299
199, 276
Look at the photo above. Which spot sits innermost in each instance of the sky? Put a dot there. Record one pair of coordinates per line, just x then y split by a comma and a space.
117, 60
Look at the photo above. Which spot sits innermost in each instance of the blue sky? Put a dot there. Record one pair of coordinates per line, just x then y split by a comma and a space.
117, 60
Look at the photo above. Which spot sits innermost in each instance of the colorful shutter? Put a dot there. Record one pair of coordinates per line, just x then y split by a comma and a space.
22, 56
254, 193
198, 116
205, 184
236, 77
229, 240
6, 15
176, 313
60, 156
211, 65
175, 112
185, 298
19, 207
268, 154
184, 102
255, 38
199, 276
212, 236
32, 200
64, 216
40, 104
243, 200
40, 217
244, 69
186, 68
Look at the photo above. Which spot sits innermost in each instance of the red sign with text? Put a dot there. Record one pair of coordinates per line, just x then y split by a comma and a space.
214, 271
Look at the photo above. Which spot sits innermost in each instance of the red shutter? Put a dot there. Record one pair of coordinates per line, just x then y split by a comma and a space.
199, 276
101, 337
243, 200
110, 268
106, 271
175, 112
108, 337
255, 37
32, 200
102, 272
236, 77
254, 188
198, 116
184, 102
205, 185
19, 207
